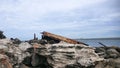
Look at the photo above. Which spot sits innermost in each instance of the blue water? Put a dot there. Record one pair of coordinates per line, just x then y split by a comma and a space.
94, 42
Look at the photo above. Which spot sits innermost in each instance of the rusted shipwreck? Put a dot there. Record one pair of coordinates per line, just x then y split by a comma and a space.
57, 38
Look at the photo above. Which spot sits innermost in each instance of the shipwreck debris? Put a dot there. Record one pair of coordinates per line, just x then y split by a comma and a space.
103, 45
35, 38
53, 38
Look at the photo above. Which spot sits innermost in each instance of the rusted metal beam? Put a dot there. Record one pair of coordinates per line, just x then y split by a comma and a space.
61, 38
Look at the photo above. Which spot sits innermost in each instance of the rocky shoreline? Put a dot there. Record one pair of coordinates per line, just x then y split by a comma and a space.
61, 55
41, 54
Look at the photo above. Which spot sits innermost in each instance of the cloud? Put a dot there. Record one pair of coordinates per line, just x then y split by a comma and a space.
65, 17
31, 9
22, 12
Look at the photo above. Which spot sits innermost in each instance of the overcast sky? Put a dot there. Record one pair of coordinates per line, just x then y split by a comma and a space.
70, 18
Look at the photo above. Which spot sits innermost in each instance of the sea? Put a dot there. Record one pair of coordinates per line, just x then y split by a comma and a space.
105, 41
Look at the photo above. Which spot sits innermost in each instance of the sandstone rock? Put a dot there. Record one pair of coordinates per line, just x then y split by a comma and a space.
4, 45
109, 63
4, 48
68, 54
4, 61
112, 53
87, 57
61, 55
5, 41
24, 46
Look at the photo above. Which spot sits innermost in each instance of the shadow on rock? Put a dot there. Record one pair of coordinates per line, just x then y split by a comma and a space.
36, 61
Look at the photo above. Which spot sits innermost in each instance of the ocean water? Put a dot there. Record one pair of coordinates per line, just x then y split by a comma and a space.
107, 42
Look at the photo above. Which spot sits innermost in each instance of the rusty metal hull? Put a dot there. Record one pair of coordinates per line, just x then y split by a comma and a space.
61, 38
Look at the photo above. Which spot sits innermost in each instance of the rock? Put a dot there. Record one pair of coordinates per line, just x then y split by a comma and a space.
4, 61
61, 55
117, 62
15, 54
2, 36
99, 49
72, 54
5, 41
87, 57
108, 52
4, 44
112, 53
16, 41
24, 46
3, 48
23, 66
109, 63
37, 61
43, 42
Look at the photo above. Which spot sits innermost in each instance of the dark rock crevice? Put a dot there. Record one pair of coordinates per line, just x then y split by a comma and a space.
36, 61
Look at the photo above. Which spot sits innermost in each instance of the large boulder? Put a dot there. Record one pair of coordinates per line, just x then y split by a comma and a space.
87, 57
65, 54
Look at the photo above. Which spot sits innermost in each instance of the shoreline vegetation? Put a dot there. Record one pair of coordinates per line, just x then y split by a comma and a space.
54, 51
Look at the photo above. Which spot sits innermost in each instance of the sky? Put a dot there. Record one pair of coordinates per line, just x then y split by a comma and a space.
69, 18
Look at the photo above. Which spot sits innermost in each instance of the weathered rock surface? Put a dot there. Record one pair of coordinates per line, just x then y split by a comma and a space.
3, 44
61, 55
